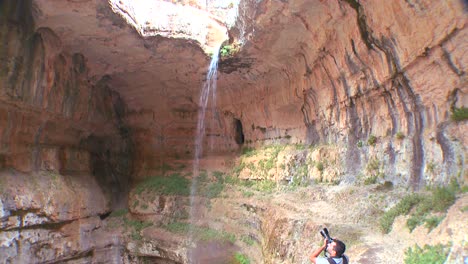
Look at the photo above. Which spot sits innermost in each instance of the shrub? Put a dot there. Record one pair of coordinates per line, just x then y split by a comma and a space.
459, 114
240, 258
433, 222
431, 167
360, 144
247, 240
440, 200
370, 180
429, 254
228, 50
399, 135
402, 208
372, 140
319, 166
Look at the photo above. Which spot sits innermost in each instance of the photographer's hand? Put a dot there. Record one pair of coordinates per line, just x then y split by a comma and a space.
313, 257
325, 243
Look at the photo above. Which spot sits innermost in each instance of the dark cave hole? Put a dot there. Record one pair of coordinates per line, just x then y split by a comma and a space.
239, 136
104, 216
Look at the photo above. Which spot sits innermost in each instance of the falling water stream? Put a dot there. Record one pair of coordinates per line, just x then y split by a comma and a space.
209, 88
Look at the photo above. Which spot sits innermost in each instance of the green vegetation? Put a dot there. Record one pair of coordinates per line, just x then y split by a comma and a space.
430, 167
136, 227
370, 180
428, 209
265, 186
228, 50
247, 193
459, 114
399, 135
433, 222
429, 254
248, 151
173, 184
319, 166
373, 171
402, 208
360, 144
247, 240
301, 177
119, 213
300, 146
372, 140
268, 155
240, 258
200, 233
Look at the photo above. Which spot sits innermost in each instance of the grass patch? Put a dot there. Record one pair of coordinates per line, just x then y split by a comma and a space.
265, 186
459, 114
211, 188
248, 152
165, 185
136, 227
247, 193
237, 169
429, 254
200, 233
464, 209
300, 178
119, 213
370, 180
240, 258
248, 240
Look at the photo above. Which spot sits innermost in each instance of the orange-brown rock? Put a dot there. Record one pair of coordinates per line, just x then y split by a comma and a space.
94, 94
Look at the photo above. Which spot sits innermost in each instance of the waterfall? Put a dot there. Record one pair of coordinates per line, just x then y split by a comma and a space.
209, 88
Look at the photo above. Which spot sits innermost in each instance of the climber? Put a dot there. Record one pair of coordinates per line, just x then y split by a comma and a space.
335, 250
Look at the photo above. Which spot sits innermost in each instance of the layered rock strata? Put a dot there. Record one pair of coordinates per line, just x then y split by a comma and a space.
65, 155
87, 103
381, 80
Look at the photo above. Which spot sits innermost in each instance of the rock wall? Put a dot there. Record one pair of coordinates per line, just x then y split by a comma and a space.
379, 79
65, 154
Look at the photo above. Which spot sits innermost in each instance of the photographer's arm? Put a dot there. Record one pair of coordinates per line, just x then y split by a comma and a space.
313, 257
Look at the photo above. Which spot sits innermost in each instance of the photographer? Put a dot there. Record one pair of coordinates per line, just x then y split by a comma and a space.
335, 250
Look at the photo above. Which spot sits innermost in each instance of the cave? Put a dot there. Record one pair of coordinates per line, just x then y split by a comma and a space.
239, 134
216, 131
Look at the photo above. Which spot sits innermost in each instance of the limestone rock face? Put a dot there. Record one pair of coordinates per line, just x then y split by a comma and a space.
64, 155
92, 94
316, 72
380, 79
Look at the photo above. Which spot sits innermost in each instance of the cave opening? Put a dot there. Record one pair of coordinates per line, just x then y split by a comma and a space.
239, 133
